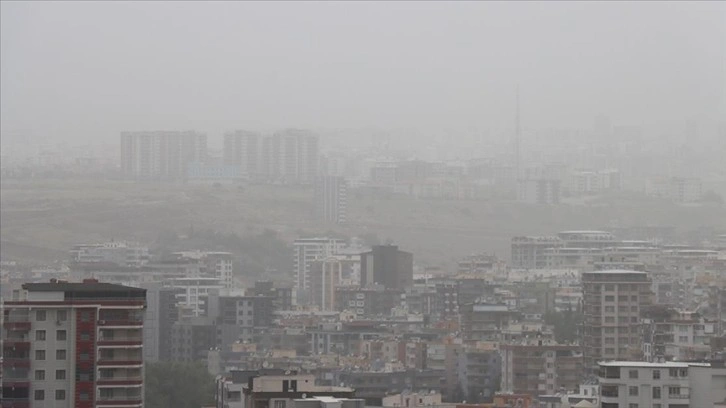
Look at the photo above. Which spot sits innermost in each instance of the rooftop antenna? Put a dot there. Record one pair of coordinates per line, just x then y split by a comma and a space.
517, 135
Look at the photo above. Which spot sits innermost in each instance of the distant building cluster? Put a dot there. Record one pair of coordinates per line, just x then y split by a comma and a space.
580, 318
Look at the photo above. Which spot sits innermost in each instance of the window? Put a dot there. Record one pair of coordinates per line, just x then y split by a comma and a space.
61, 315
656, 374
633, 374
85, 316
657, 406
674, 391
40, 316
609, 298
40, 335
656, 392
39, 375
633, 391
683, 339
609, 309
632, 405
85, 336
39, 395
60, 335
60, 354
60, 394
673, 372
609, 287
85, 356
279, 404
40, 354
60, 374
83, 396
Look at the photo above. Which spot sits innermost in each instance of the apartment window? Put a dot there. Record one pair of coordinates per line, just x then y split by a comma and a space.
83, 396
279, 404
634, 319
40, 316
673, 372
60, 374
85, 316
634, 298
683, 372
609, 309
632, 405
674, 391
39, 375
633, 391
609, 319
609, 298
40, 354
609, 287
85, 356
60, 354
683, 339
40, 335
85, 336
656, 374
39, 395
657, 406
656, 392
61, 335
633, 374
60, 395
61, 315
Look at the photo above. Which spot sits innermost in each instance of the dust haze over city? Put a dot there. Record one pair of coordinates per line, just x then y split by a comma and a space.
351, 204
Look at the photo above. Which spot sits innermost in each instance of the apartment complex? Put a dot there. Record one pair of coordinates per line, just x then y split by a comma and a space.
161, 155
243, 150
612, 305
73, 345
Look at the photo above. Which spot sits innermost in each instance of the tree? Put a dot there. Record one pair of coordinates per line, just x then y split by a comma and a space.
178, 385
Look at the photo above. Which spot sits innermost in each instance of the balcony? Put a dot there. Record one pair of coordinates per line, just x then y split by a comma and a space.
120, 363
17, 326
16, 382
120, 381
119, 401
16, 344
15, 403
121, 323
16, 362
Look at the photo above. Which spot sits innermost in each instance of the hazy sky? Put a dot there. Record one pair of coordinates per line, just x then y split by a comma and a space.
87, 70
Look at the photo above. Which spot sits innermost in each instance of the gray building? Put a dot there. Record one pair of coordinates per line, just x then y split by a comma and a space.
388, 266
161, 155
331, 199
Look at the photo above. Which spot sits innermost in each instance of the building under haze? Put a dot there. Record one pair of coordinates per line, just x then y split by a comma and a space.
291, 156
331, 199
161, 155
73, 345
388, 266
307, 250
612, 305
242, 149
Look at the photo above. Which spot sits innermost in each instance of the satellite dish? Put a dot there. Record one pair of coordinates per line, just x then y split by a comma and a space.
265, 364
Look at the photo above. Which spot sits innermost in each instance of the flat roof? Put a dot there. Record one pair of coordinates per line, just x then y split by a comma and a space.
80, 287
645, 364
614, 271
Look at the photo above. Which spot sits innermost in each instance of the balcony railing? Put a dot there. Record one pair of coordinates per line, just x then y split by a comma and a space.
129, 362
17, 326
118, 322
121, 342
131, 401
16, 362
15, 403
137, 380
17, 344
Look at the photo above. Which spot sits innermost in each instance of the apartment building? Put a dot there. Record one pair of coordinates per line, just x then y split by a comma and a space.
529, 252
243, 149
307, 250
291, 156
161, 155
612, 304
331, 199
639, 384
483, 321
388, 266
281, 391
120, 253
73, 345
539, 367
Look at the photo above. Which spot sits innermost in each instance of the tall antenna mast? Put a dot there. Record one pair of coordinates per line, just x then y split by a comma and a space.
517, 136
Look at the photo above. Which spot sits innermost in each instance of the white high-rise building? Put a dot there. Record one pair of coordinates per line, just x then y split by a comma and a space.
308, 250
161, 155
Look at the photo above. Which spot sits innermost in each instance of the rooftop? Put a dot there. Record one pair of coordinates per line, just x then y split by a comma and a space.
644, 364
